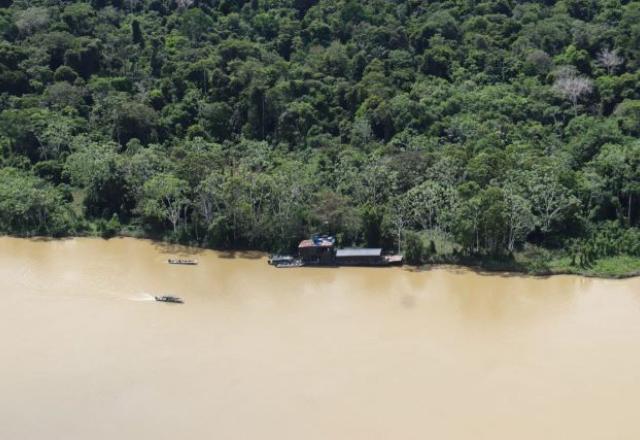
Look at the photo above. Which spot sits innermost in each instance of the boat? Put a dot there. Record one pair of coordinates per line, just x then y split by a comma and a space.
393, 260
185, 261
282, 261
274, 260
293, 263
169, 299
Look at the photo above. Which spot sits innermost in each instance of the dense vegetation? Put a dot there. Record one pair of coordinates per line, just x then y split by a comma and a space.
453, 129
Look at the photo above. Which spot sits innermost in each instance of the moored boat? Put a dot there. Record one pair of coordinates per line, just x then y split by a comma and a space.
283, 261
293, 263
274, 260
185, 261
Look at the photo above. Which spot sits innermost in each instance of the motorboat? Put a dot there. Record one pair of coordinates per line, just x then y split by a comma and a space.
169, 299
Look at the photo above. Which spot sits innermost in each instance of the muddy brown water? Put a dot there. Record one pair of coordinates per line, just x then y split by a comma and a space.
264, 353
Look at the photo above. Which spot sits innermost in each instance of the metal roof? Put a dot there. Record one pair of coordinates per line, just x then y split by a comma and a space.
358, 252
317, 243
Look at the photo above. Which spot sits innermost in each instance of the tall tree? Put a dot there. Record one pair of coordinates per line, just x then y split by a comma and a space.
164, 197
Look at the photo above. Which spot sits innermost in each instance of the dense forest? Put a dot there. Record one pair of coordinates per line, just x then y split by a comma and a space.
450, 130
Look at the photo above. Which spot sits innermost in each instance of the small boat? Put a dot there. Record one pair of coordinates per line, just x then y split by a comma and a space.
186, 261
169, 299
393, 260
284, 261
292, 263
274, 260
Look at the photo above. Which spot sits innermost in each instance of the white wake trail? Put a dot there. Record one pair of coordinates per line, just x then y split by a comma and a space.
143, 296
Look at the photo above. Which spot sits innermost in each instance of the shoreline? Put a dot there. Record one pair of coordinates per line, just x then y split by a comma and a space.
479, 265
529, 268
479, 268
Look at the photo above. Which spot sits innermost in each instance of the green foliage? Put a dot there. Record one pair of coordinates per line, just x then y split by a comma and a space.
30, 205
476, 128
65, 73
135, 120
413, 248
109, 228
164, 199
195, 24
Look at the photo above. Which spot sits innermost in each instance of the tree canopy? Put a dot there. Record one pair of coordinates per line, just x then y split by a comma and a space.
493, 125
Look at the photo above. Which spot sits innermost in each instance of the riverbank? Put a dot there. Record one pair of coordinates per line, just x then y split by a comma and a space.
617, 267
525, 263
531, 260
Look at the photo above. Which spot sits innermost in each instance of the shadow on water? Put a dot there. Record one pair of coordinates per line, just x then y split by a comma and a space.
507, 274
478, 270
186, 250
177, 249
432, 267
242, 254
44, 239
408, 301
165, 247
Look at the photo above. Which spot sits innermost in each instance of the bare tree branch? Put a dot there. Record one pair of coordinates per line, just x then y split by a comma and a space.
609, 59
572, 87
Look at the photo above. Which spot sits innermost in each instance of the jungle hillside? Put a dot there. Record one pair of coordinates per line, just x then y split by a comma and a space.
502, 133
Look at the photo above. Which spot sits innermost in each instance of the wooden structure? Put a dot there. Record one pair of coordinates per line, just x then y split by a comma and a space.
319, 249
360, 257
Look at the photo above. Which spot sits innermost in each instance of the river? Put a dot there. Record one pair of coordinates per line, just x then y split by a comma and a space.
308, 353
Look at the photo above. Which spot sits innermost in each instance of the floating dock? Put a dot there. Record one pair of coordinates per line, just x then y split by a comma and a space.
320, 250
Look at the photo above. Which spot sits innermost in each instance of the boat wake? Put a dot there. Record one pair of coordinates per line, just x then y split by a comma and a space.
142, 297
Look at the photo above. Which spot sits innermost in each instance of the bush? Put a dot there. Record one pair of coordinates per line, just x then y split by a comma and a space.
65, 73
414, 248
109, 228
29, 205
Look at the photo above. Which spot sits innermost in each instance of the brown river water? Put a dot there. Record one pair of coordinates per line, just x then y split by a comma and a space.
263, 353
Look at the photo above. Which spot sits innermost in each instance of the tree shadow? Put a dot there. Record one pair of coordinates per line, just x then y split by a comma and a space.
512, 273
44, 239
242, 254
430, 267
177, 249
478, 269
